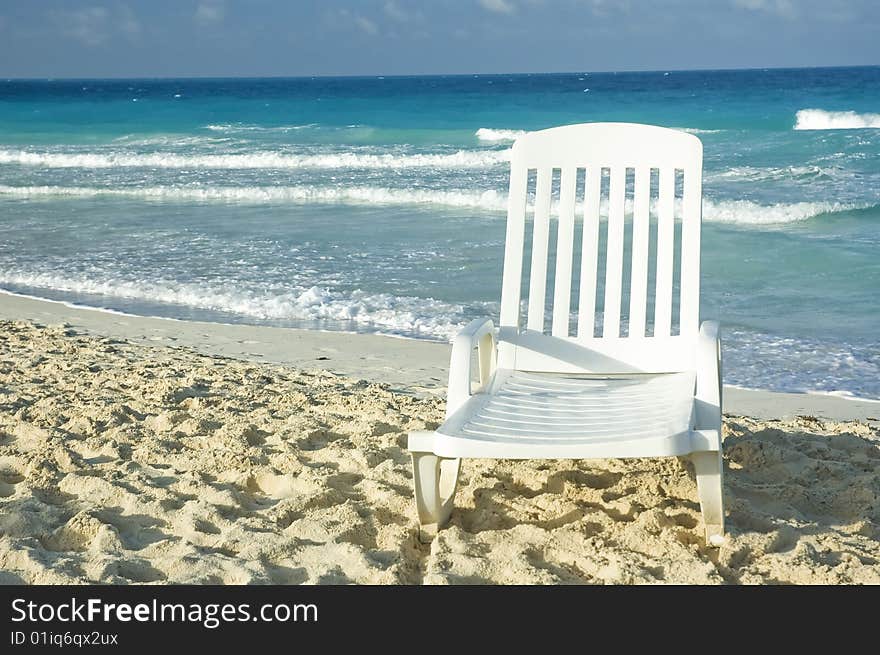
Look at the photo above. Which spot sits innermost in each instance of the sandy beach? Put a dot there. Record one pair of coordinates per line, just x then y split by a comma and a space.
154, 451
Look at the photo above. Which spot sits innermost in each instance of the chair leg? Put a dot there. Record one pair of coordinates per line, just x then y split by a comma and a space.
435, 479
709, 469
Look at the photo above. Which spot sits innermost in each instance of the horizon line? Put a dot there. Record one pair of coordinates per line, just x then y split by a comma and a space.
406, 75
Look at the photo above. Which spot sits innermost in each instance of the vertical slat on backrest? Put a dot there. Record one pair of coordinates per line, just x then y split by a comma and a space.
564, 253
540, 237
589, 253
513, 251
638, 294
614, 252
665, 251
690, 253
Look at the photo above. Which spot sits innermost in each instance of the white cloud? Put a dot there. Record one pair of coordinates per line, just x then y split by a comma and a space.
411, 17
783, 8
606, 7
210, 12
393, 11
343, 18
498, 6
93, 26
88, 25
128, 22
366, 25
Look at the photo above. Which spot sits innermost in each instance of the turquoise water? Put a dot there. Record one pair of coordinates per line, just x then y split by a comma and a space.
377, 204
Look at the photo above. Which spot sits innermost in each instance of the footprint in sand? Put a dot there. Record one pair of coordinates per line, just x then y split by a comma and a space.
279, 486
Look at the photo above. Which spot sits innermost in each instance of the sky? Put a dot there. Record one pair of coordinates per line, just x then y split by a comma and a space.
184, 38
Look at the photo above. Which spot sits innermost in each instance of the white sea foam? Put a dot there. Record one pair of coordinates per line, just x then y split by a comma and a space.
412, 316
819, 119
239, 127
751, 213
845, 395
746, 212
170, 140
487, 200
255, 160
696, 130
742, 212
491, 134
827, 366
775, 173
488, 134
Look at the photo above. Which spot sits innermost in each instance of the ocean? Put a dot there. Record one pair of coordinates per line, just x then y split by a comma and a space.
376, 204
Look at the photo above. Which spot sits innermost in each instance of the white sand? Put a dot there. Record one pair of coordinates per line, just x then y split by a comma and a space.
122, 462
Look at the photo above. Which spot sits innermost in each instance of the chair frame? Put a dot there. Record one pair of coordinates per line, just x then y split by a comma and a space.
437, 454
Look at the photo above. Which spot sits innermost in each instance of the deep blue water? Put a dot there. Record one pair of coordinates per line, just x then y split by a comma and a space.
376, 204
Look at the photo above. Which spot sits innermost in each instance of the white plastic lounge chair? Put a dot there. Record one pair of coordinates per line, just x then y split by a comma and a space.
565, 393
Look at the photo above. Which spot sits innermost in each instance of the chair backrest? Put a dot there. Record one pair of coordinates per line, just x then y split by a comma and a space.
618, 197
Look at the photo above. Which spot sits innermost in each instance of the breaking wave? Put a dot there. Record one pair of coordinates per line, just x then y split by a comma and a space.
744, 212
487, 200
410, 316
256, 160
819, 119
490, 134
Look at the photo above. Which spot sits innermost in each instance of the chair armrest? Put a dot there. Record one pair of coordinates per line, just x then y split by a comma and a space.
709, 386
479, 333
